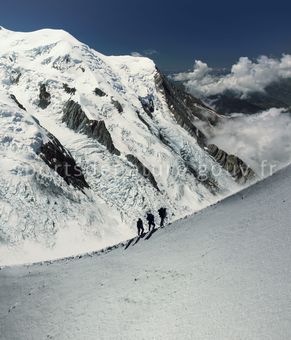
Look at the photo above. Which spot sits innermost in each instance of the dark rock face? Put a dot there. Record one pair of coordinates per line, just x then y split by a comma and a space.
184, 107
69, 90
100, 132
15, 77
60, 160
99, 92
144, 171
234, 165
44, 97
143, 120
17, 102
117, 105
76, 119
148, 105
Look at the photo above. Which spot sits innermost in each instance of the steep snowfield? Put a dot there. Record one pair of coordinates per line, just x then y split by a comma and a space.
223, 273
117, 125
34, 199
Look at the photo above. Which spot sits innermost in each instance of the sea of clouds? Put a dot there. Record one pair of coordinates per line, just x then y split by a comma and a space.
262, 140
245, 76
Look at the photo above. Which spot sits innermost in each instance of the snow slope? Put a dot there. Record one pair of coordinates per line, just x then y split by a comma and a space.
34, 200
119, 124
223, 273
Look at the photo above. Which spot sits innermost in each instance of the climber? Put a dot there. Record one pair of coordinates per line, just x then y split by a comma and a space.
140, 228
163, 215
151, 220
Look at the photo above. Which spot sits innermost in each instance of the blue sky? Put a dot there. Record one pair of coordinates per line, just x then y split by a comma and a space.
218, 32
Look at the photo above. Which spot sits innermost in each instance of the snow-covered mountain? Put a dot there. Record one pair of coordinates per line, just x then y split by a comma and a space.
90, 142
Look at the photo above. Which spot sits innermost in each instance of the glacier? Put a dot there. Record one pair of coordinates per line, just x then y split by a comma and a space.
132, 135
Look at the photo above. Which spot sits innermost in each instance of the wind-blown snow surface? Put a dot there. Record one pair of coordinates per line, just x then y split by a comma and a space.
40, 213
223, 273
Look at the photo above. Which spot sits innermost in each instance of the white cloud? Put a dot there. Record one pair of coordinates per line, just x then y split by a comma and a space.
150, 52
261, 140
136, 54
246, 76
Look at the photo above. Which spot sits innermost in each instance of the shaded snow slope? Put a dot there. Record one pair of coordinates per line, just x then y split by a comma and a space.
134, 138
223, 273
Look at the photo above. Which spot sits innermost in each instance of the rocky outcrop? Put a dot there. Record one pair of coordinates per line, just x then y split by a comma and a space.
148, 105
76, 119
60, 160
99, 92
143, 170
17, 102
185, 108
15, 77
143, 120
117, 105
69, 90
44, 97
239, 170
99, 131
